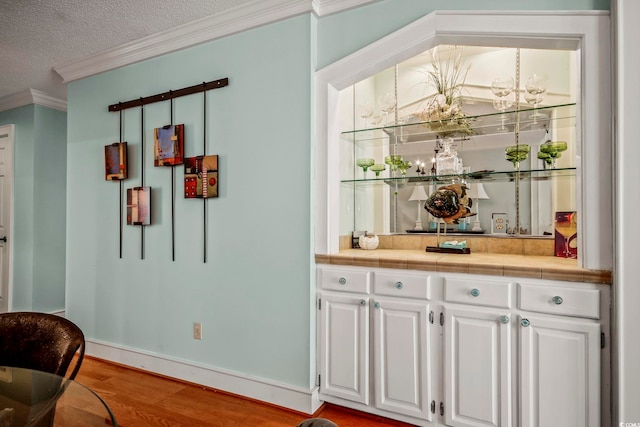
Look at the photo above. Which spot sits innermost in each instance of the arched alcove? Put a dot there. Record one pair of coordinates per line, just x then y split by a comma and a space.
586, 33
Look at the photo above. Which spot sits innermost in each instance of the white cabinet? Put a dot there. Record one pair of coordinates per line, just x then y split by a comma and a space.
344, 334
401, 353
560, 372
344, 361
395, 320
478, 355
464, 350
560, 355
558, 361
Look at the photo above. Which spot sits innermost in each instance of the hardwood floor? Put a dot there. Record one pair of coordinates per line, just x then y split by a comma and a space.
140, 399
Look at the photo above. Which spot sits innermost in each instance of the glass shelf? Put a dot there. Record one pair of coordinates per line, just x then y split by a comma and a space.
411, 130
480, 176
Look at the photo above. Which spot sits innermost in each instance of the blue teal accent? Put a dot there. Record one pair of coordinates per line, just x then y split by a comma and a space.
255, 295
39, 232
252, 294
49, 214
344, 33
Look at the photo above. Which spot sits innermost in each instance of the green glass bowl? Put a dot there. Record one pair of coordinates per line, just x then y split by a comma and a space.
516, 153
377, 168
364, 163
393, 161
404, 166
553, 149
513, 150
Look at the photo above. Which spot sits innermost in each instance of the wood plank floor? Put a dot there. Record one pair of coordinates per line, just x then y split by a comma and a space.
140, 399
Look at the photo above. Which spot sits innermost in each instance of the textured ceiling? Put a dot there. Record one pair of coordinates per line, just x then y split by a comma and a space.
36, 35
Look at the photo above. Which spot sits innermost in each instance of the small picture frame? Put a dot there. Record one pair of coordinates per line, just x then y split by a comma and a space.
201, 177
115, 161
139, 206
168, 145
499, 223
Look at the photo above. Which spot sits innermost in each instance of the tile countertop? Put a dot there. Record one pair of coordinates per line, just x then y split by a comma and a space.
528, 266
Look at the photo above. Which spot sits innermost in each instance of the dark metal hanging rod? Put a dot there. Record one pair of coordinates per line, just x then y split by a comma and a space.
202, 87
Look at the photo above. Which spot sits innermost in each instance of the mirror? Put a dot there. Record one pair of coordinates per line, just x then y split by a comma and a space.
386, 115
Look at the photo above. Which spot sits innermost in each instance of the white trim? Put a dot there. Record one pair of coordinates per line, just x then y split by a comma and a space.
586, 32
208, 28
284, 395
626, 368
328, 7
31, 96
41, 98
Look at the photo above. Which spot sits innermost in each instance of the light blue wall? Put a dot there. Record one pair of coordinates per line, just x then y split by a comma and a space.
49, 213
23, 231
254, 296
39, 207
344, 33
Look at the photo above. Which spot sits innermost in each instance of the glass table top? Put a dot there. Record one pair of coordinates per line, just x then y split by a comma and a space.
35, 398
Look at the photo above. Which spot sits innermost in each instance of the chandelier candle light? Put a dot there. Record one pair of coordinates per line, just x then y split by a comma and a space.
477, 192
418, 194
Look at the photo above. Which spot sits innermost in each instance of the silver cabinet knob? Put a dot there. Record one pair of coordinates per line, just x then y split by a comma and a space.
363, 302
342, 281
525, 322
504, 319
399, 285
376, 305
475, 292
557, 300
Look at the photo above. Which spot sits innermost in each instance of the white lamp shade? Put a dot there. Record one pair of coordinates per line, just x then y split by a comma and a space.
418, 194
476, 191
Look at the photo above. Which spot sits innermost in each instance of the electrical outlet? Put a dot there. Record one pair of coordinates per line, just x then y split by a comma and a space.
197, 331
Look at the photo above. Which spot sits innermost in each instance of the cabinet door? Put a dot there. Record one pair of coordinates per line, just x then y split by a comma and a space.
344, 347
478, 367
560, 372
402, 357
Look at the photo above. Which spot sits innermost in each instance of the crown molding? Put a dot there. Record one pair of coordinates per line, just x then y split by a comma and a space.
203, 30
31, 96
328, 7
206, 29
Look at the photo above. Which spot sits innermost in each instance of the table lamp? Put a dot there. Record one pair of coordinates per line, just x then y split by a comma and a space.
418, 194
476, 192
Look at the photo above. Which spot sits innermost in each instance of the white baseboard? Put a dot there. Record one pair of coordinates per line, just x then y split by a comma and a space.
287, 396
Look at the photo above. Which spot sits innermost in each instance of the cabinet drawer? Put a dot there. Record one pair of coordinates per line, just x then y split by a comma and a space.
345, 280
478, 292
402, 285
560, 300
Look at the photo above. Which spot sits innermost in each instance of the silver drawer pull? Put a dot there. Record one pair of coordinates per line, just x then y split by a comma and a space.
399, 285
342, 281
363, 302
525, 322
557, 300
376, 305
504, 319
475, 292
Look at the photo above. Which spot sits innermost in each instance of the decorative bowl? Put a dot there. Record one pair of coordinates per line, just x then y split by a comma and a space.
364, 163
377, 168
517, 153
553, 149
393, 161
368, 242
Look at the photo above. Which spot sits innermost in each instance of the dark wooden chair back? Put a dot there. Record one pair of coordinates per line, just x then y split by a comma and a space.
40, 341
